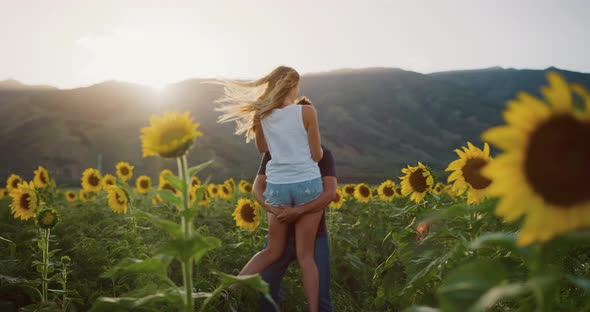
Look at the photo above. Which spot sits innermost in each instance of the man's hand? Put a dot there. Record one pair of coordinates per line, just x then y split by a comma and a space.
290, 214
276, 210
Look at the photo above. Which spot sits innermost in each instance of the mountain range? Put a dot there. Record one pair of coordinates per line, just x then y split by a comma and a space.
375, 120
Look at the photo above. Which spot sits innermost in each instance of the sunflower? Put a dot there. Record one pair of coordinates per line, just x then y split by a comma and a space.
42, 178
195, 181
247, 214
543, 171
108, 180
398, 191
143, 184
124, 171
71, 196
438, 189
165, 185
349, 190
387, 190
47, 218
91, 180
213, 190
25, 201
245, 187
224, 191
231, 183
85, 195
12, 182
118, 199
418, 181
3, 192
338, 200
466, 176
203, 199
362, 192
169, 136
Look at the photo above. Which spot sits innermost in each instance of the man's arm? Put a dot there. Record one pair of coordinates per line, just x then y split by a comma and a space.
258, 193
291, 214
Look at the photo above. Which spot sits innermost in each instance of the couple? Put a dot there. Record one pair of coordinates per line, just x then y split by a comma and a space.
295, 182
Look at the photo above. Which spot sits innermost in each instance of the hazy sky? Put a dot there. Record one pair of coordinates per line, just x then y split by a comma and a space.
70, 43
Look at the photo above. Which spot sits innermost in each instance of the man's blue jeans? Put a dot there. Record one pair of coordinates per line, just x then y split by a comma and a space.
273, 275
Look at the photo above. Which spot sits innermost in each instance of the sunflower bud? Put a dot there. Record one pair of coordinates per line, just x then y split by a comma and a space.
47, 218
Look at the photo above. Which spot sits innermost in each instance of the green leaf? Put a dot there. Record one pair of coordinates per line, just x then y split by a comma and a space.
421, 309
253, 281
194, 170
176, 182
580, 282
196, 246
464, 287
168, 226
170, 295
169, 197
513, 290
505, 241
157, 265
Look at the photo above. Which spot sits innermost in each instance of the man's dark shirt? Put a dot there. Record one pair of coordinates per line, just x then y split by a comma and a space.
327, 169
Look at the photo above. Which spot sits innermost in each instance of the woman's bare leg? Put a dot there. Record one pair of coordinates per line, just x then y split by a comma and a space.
305, 232
277, 237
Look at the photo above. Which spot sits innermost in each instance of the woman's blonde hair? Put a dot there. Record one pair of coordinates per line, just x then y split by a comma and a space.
247, 103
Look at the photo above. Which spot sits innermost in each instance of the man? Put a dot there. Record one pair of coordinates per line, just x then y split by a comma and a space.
273, 275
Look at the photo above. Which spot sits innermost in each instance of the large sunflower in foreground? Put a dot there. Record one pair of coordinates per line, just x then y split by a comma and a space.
418, 181
338, 200
108, 180
143, 184
42, 178
124, 171
169, 136
12, 182
544, 168
245, 187
387, 190
118, 199
91, 180
247, 214
466, 176
25, 201
363, 192
349, 190
71, 196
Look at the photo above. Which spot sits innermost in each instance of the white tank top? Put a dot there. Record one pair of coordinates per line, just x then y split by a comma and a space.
288, 145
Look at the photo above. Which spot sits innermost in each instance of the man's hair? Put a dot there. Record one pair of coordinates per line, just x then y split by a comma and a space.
303, 101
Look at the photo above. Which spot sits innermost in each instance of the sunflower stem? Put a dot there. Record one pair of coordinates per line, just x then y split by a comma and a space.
44, 281
186, 225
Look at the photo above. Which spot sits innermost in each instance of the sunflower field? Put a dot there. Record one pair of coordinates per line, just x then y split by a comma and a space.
504, 230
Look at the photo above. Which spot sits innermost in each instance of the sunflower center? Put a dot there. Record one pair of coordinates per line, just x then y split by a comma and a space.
42, 178
338, 198
124, 171
247, 213
349, 190
24, 201
365, 192
110, 182
472, 173
557, 162
248, 188
388, 191
418, 181
171, 134
15, 183
70, 195
144, 184
120, 199
195, 183
93, 180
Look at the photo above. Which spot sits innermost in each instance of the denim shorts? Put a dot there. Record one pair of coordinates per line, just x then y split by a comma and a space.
293, 194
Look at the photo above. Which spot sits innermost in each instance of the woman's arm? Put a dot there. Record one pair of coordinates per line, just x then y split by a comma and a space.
261, 145
310, 121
